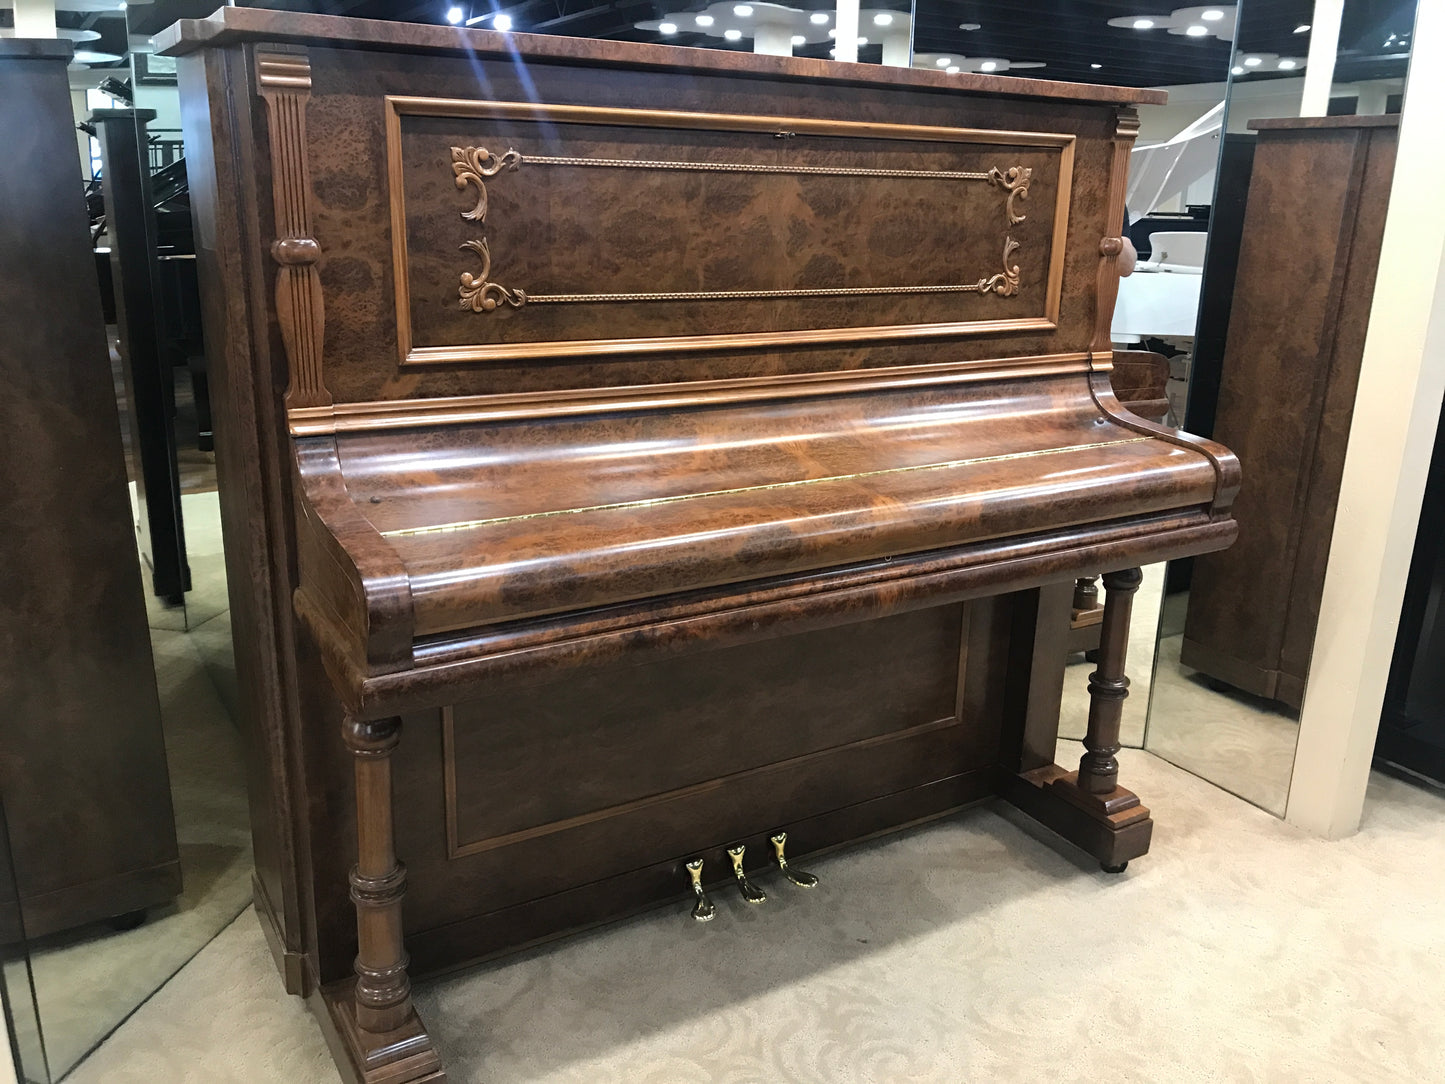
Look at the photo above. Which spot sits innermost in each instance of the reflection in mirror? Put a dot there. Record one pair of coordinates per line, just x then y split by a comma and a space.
1297, 218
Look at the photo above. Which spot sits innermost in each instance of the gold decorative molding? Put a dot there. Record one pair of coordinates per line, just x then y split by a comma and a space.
480, 353
472, 165
285, 86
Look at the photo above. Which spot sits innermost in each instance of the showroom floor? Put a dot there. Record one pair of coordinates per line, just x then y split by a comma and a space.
973, 949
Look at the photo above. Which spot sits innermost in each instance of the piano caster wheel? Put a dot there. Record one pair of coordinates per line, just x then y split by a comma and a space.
751, 892
797, 876
1120, 868
703, 910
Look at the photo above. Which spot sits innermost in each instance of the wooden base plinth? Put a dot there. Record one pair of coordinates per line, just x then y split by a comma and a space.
1113, 827
402, 1056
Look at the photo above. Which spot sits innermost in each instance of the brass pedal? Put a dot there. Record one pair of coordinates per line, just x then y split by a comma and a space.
703, 910
751, 892
797, 876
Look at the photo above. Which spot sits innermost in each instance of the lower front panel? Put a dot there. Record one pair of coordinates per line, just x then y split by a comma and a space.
558, 805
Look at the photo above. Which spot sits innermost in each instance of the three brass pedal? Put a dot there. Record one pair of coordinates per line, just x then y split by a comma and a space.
704, 909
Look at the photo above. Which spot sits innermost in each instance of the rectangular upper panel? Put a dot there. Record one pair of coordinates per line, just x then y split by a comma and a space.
529, 230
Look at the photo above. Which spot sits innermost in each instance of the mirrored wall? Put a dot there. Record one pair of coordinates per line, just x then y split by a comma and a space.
1285, 279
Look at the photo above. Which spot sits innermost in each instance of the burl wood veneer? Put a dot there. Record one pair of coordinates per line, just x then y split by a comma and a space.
629, 453
1302, 297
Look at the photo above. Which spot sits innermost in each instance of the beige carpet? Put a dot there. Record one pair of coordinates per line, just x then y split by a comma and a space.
970, 950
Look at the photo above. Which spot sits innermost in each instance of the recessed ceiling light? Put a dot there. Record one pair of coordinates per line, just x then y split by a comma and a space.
968, 26
742, 11
1303, 28
987, 66
818, 18
704, 20
1197, 31
832, 33
862, 41
798, 39
1143, 24
1213, 15
883, 18
952, 69
455, 15
1236, 70
1252, 62
502, 23
833, 51
733, 35
1288, 65
1096, 66
667, 28
944, 61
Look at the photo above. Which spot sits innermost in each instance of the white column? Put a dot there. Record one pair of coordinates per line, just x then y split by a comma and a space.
1372, 100
846, 22
35, 18
896, 47
773, 39
1320, 67
1397, 406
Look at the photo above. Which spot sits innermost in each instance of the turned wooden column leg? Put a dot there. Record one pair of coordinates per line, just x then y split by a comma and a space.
378, 881
1086, 593
1099, 767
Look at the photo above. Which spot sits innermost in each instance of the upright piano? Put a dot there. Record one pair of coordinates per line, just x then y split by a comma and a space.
635, 461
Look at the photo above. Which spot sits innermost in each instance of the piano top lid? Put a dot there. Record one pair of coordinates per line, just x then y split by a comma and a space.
236, 24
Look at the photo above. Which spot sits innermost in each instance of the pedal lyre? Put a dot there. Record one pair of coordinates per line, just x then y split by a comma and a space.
751, 892
703, 910
797, 876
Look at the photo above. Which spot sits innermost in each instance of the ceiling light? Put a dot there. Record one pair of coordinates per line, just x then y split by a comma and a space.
1252, 62
862, 41
1303, 28
832, 33
742, 11
502, 23
1288, 65
968, 26
733, 35
987, 66
1197, 31
455, 15
1236, 70
798, 40
952, 69
1213, 15
833, 51
703, 20
883, 18
1143, 24
818, 18
945, 61
667, 28
1096, 66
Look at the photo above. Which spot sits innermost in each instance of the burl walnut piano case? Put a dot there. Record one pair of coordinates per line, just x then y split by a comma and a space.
630, 454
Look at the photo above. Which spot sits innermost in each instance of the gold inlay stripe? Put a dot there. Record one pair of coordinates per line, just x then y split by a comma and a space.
749, 167
471, 524
743, 295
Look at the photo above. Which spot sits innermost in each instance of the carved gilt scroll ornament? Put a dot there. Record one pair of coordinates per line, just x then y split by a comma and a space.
471, 166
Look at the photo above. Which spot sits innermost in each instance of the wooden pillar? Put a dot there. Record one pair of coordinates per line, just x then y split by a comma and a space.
1108, 687
378, 881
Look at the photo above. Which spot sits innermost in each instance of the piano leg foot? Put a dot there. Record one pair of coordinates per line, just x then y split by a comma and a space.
1088, 807
1107, 868
371, 1017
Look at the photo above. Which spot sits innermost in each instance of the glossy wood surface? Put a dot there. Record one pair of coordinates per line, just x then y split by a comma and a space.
1287, 394
740, 586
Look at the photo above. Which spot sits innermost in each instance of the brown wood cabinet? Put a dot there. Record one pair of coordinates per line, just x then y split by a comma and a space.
633, 455
1306, 280
82, 757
